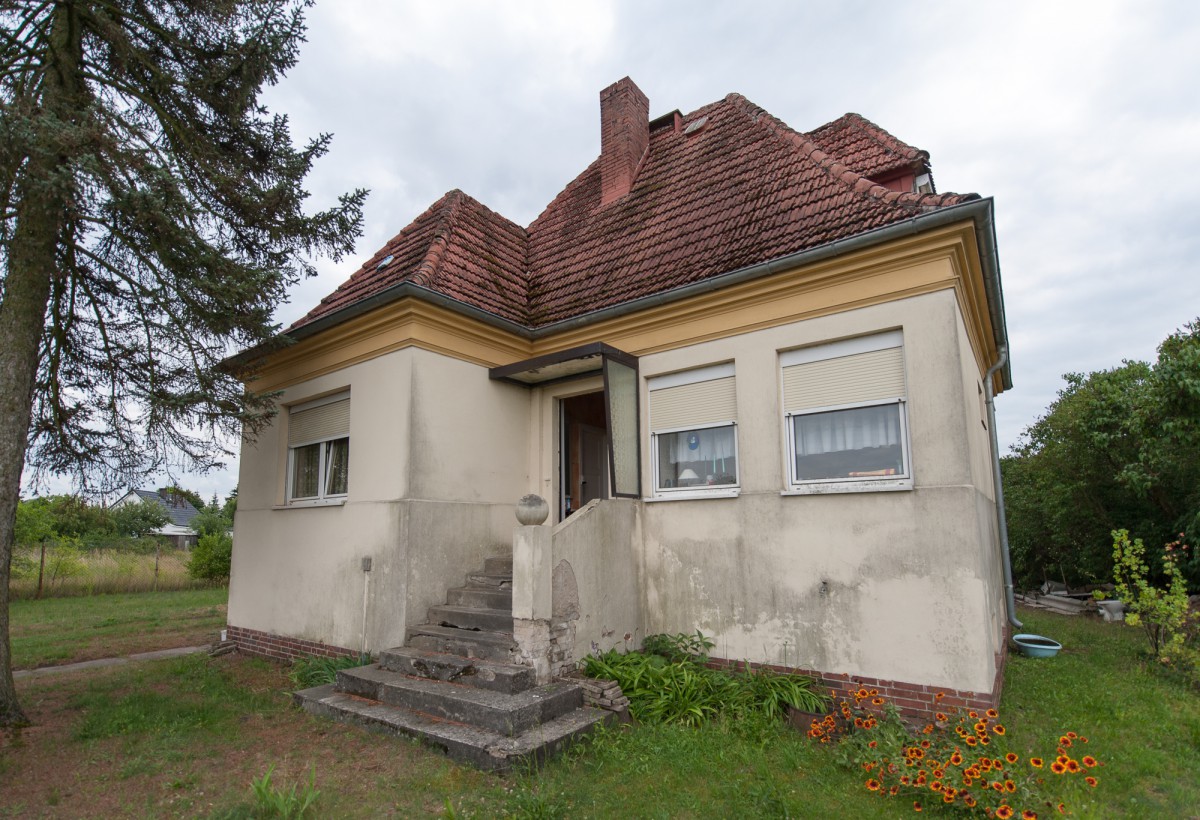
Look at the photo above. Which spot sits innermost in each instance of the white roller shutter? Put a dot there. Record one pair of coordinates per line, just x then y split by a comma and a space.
845, 374
328, 420
693, 399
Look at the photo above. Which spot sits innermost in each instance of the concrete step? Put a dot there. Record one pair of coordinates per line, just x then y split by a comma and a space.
490, 646
495, 711
490, 751
490, 580
498, 565
473, 618
481, 674
481, 597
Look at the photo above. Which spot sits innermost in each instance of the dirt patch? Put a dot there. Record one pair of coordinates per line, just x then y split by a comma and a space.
46, 771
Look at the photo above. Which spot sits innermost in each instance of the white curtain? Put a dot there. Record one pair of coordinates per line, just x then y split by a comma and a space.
841, 430
711, 444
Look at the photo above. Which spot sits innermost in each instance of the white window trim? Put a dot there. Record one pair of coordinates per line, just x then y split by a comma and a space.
816, 486
701, 491
322, 499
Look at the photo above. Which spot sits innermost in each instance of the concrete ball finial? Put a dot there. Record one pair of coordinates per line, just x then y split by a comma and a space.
532, 510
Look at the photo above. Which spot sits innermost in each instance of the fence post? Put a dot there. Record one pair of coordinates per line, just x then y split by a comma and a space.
41, 571
157, 553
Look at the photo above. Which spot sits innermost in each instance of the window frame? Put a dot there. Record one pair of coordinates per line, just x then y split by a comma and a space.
847, 484
699, 489
668, 381
324, 446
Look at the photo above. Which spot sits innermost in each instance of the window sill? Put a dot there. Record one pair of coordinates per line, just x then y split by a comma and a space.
899, 485
731, 492
300, 505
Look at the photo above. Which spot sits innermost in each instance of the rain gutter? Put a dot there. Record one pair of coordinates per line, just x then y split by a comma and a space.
1001, 519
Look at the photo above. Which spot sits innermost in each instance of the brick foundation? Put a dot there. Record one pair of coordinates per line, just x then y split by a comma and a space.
914, 700
267, 645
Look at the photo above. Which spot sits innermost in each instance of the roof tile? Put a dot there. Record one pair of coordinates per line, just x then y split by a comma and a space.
743, 189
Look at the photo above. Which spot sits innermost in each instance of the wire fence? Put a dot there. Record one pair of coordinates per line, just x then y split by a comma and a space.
60, 569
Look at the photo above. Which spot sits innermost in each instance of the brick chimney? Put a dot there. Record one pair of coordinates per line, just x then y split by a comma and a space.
624, 137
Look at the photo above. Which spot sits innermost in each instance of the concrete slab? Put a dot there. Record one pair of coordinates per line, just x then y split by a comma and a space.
105, 662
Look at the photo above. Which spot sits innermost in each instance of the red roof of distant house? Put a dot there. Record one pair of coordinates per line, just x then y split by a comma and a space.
725, 187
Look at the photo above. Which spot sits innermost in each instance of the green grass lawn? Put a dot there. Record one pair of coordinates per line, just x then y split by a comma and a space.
186, 737
54, 631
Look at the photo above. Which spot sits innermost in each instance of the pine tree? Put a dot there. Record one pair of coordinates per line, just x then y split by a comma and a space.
151, 219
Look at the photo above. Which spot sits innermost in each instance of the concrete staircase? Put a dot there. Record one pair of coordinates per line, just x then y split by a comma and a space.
453, 685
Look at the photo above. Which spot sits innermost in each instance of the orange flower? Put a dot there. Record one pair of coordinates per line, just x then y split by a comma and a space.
861, 693
1073, 766
972, 714
1062, 808
955, 759
877, 701
1064, 741
873, 784
872, 744
939, 695
1029, 814
1072, 735
916, 806
940, 716
992, 713
970, 741
1057, 767
969, 800
1011, 757
894, 790
947, 798
1089, 761
1010, 786
998, 729
1004, 812
1091, 781
1035, 762
997, 786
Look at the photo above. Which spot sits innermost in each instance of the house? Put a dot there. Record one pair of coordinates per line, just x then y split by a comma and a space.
749, 370
181, 512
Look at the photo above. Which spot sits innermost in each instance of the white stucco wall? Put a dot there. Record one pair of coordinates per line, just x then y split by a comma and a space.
437, 461
894, 585
901, 585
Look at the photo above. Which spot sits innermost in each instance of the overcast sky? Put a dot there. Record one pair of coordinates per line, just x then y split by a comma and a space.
1080, 119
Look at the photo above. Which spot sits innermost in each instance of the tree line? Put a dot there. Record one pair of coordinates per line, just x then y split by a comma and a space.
1118, 449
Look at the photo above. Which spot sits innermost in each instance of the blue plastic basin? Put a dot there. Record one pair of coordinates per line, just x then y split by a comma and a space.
1037, 646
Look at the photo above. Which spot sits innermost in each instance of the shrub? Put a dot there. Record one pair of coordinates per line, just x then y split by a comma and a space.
1161, 612
211, 557
671, 684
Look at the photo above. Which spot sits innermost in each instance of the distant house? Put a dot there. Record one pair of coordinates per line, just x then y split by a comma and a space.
749, 369
178, 508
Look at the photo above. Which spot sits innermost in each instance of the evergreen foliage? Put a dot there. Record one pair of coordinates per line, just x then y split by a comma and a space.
151, 219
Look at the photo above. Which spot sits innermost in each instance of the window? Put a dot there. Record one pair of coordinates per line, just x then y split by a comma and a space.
844, 410
693, 433
319, 450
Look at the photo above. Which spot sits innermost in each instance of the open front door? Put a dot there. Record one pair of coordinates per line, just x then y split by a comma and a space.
599, 446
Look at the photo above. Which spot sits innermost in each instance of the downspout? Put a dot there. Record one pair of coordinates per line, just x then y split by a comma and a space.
1000, 517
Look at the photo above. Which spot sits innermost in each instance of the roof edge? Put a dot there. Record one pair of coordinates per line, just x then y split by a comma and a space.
980, 211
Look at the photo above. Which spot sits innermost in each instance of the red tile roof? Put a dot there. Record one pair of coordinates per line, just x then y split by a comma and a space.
733, 187
866, 148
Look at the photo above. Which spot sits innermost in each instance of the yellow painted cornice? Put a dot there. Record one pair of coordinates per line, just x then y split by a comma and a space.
938, 259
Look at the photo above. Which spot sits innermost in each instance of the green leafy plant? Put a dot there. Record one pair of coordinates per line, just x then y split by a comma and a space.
1161, 612
961, 760
211, 557
679, 646
287, 804
317, 671
669, 683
